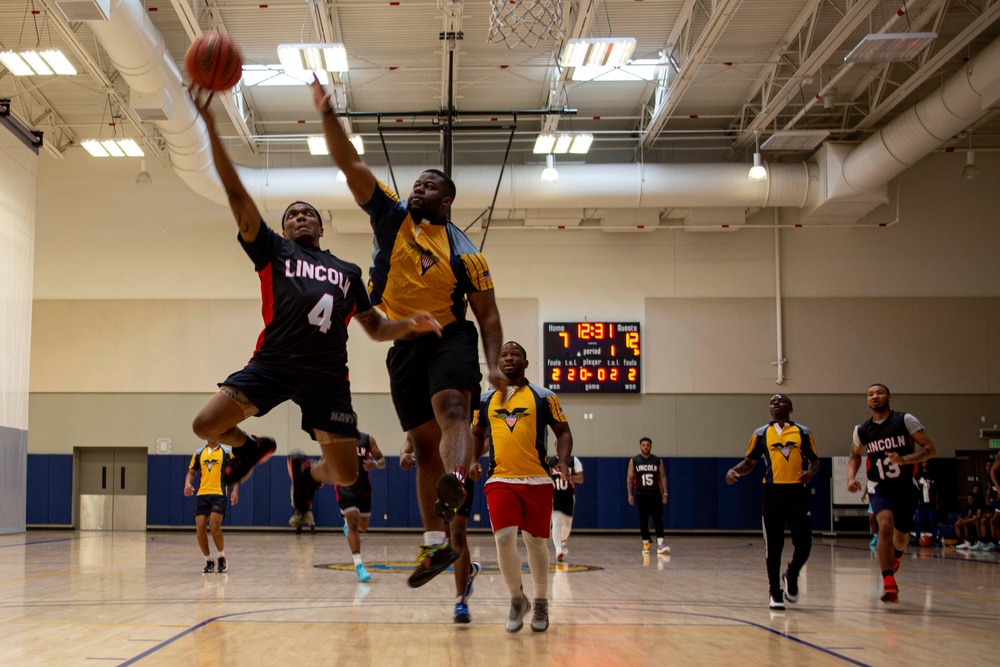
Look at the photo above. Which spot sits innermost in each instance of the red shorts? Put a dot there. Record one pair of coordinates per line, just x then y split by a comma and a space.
527, 506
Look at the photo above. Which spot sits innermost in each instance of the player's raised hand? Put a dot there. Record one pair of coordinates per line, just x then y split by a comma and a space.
321, 98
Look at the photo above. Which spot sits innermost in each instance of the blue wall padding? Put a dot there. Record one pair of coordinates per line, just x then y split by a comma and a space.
699, 498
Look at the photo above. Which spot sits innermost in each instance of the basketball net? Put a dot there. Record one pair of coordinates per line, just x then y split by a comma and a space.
525, 21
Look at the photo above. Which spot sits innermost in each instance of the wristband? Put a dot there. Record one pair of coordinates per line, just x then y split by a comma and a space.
380, 462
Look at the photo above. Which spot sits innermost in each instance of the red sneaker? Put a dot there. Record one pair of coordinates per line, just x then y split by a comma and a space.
890, 591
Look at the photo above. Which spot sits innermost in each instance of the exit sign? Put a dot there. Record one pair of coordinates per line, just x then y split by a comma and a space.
994, 444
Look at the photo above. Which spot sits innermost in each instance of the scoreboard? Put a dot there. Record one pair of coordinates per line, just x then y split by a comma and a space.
592, 357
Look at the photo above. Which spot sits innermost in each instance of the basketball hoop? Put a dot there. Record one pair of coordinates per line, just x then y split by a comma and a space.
525, 21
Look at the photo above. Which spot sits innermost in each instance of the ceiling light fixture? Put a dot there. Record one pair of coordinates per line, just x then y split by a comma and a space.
313, 57
593, 52
317, 145
562, 143
143, 178
32, 63
971, 169
550, 174
112, 148
757, 172
890, 47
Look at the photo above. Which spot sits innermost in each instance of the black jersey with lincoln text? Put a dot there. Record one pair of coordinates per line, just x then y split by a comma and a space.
308, 297
362, 487
878, 440
646, 481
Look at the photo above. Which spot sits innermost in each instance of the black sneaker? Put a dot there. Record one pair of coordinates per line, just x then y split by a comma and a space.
223, 565
791, 585
303, 485
540, 618
209, 567
244, 459
518, 610
451, 496
431, 561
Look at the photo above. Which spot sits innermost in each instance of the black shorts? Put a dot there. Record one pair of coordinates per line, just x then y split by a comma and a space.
470, 493
902, 504
564, 503
422, 367
323, 395
210, 504
348, 500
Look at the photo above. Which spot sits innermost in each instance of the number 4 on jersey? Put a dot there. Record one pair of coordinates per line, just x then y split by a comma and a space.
321, 314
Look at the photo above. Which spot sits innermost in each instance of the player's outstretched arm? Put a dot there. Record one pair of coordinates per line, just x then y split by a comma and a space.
360, 179
244, 209
484, 307
564, 448
379, 327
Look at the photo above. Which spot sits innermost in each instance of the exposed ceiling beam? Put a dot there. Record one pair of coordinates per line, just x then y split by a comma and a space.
722, 14
809, 66
103, 79
562, 76
232, 100
932, 65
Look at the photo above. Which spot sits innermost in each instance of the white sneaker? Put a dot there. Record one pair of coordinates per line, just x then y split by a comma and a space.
518, 610
662, 548
964, 545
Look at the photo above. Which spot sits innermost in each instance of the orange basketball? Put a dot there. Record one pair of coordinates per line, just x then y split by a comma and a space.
214, 62
925, 540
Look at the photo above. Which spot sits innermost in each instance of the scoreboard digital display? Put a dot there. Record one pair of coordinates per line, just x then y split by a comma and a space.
592, 357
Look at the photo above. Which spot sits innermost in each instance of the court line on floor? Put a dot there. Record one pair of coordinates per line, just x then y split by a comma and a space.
167, 642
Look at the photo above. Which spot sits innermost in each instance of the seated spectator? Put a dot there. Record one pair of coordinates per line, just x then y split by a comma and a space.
990, 522
968, 524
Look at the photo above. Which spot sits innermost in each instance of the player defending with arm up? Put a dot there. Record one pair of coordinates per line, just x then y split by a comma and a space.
424, 262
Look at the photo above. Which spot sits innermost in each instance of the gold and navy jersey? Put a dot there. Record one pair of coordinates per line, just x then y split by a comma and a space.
420, 267
786, 454
308, 297
208, 463
519, 430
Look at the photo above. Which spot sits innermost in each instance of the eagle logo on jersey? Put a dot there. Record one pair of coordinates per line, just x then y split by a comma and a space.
426, 256
785, 448
210, 465
511, 418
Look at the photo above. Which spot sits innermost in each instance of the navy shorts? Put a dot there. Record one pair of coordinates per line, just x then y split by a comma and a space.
323, 395
902, 505
422, 367
470, 493
210, 504
353, 501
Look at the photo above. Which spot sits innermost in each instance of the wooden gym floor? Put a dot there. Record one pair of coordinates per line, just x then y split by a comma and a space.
101, 598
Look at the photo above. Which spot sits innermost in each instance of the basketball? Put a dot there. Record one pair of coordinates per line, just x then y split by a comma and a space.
925, 540
214, 62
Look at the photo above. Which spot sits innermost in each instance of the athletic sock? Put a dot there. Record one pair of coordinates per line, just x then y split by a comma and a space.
222, 554
434, 537
357, 559
886, 573
898, 553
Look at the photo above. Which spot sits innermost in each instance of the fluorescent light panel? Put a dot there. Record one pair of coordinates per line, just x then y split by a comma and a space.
317, 145
594, 52
31, 63
890, 47
562, 142
112, 147
313, 57
795, 140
